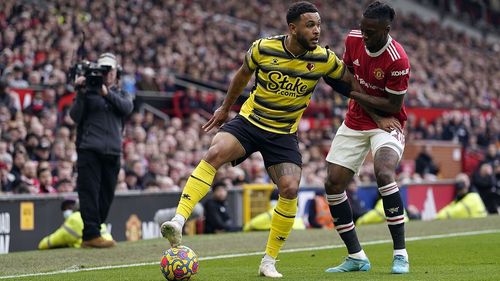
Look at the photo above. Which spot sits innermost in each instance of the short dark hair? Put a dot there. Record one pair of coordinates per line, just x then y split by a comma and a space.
379, 10
69, 204
298, 9
217, 185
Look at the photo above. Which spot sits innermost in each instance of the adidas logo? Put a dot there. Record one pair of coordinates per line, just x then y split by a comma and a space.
356, 62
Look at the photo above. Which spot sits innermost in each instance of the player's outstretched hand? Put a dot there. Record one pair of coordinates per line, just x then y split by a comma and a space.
219, 117
389, 124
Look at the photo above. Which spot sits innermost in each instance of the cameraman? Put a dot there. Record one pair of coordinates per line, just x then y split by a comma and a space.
99, 113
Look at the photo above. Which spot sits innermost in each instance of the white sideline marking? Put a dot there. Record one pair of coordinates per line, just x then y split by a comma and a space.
228, 256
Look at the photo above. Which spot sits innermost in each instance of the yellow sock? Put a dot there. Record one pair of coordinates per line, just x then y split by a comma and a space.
197, 186
281, 225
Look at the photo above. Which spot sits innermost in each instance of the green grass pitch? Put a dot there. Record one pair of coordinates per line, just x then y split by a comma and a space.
439, 250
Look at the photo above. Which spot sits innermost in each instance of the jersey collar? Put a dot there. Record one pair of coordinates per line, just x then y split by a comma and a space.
379, 52
283, 41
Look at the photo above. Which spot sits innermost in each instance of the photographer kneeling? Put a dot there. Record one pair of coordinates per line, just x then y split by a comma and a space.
99, 111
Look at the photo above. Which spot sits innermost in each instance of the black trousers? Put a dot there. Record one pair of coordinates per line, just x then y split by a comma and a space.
491, 201
96, 183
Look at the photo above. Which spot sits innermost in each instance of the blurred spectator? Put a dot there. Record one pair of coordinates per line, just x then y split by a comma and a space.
20, 158
121, 185
7, 179
28, 177
65, 186
45, 178
139, 171
6, 159
424, 164
467, 204
148, 80
31, 143
63, 171
455, 129
42, 150
18, 80
154, 170
6, 98
319, 212
484, 180
69, 234
217, 217
357, 206
167, 184
492, 156
152, 186
23, 188
131, 181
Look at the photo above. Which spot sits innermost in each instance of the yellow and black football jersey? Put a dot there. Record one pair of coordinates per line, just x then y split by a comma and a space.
284, 83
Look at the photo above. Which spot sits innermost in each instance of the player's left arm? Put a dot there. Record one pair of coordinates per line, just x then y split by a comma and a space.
396, 87
392, 104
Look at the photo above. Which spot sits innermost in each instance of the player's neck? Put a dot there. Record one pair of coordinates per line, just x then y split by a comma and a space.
380, 45
293, 47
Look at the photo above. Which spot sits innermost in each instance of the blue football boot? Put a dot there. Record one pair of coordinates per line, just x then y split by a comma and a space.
351, 264
400, 265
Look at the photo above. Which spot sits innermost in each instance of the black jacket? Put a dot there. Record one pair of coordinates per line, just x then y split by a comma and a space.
216, 216
100, 120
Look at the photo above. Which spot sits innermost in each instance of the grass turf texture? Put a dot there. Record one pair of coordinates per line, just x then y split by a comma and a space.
474, 257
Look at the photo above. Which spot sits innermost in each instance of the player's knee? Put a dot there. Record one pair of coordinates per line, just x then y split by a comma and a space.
334, 186
216, 156
385, 176
289, 188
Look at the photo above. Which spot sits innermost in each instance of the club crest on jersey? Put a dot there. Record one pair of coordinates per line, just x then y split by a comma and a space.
274, 61
379, 73
310, 66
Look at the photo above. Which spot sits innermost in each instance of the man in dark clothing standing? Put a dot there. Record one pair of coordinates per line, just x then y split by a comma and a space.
99, 113
424, 163
217, 218
484, 180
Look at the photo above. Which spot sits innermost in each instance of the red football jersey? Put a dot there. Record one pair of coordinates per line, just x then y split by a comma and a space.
382, 73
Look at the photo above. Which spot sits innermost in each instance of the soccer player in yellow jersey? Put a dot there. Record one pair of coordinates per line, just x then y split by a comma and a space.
287, 69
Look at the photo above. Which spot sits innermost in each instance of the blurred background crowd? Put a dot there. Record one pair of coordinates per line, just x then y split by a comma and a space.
187, 51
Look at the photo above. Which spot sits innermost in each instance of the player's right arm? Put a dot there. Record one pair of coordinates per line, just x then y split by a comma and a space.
236, 87
348, 84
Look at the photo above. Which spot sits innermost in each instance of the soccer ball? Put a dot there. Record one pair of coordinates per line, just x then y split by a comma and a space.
179, 263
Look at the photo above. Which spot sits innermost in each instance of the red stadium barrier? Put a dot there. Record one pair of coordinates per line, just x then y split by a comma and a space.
430, 114
430, 198
24, 97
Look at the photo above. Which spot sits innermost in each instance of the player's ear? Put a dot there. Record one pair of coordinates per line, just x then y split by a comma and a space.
292, 27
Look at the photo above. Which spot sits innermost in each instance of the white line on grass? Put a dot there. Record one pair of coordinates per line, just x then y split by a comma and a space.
228, 256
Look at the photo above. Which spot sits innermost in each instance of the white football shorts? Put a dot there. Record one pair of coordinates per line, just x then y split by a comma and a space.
350, 147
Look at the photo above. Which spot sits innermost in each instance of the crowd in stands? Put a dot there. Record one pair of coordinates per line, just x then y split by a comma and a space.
482, 14
161, 41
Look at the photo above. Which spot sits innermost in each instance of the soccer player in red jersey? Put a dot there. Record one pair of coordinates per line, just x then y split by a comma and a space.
381, 66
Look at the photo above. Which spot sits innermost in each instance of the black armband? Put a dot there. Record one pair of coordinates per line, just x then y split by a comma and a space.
339, 86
